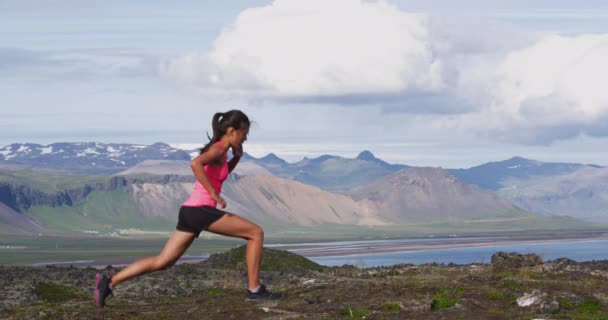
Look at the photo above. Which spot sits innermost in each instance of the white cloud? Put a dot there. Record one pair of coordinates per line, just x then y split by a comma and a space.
531, 88
550, 90
317, 49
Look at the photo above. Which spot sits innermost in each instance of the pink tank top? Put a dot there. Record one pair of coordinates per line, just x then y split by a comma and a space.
216, 175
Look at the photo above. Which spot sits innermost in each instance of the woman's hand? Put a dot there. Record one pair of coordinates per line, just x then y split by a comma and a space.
219, 200
237, 151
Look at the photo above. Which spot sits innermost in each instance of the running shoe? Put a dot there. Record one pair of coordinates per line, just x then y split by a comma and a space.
102, 289
262, 294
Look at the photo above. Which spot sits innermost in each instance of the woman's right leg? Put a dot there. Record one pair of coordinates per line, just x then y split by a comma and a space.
175, 248
235, 226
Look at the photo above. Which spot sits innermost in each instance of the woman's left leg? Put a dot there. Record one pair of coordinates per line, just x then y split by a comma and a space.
175, 247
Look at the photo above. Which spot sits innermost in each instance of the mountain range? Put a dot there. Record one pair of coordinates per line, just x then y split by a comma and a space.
329, 172
109, 187
86, 157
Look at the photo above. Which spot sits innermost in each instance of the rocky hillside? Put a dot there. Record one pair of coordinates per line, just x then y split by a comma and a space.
581, 194
74, 204
272, 199
13, 222
21, 197
512, 287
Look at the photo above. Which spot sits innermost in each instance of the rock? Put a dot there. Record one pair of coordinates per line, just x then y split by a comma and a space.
601, 297
560, 265
416, 305
315, 300
529, 299
539, 301
549, 306
503, 260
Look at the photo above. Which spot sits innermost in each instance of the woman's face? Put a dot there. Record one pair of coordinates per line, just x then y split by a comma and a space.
239, 136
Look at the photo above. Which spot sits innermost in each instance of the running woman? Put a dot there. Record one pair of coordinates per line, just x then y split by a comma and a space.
211, 167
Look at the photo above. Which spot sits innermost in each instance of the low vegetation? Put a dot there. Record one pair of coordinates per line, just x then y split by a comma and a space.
214, 289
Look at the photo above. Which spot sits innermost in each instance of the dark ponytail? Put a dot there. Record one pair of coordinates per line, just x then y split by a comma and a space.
222, 121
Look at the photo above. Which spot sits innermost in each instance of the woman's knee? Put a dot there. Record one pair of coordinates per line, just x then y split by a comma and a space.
162, 264
257, 233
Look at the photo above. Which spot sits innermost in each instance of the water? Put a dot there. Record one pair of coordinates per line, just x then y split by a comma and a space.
575, 250
578, 250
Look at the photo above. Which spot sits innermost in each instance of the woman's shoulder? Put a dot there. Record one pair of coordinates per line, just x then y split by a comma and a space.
217, 153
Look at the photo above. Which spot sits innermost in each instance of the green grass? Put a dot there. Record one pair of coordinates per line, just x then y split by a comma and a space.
443, 301
55, 293
566, 304
513, 285
215, 293
48, 249
391, 307
117, 208
102, 211
446, 299
590, 310
350, 313
274, 260
497, 295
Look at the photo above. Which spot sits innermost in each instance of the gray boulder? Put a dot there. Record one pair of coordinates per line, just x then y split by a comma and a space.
504, 260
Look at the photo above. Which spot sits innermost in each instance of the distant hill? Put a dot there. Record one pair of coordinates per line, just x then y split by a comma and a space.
429, 195
434, 201
87, 157
582, 194
490, 176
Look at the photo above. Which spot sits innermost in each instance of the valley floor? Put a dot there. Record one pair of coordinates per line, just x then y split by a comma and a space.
101, 252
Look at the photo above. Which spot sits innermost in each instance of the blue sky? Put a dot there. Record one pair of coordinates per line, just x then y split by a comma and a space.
429, 83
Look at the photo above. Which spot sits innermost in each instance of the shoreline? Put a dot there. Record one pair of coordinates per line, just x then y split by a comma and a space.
351, 248
337, 251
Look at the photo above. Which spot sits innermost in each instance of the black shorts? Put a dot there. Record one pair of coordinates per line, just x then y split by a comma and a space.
197, 219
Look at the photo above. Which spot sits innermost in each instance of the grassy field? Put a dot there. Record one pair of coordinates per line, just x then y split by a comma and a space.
28, 250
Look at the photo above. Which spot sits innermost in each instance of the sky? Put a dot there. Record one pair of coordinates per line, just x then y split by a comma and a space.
439, 83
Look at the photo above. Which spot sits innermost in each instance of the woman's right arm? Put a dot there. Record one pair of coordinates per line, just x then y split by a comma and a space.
214, 154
